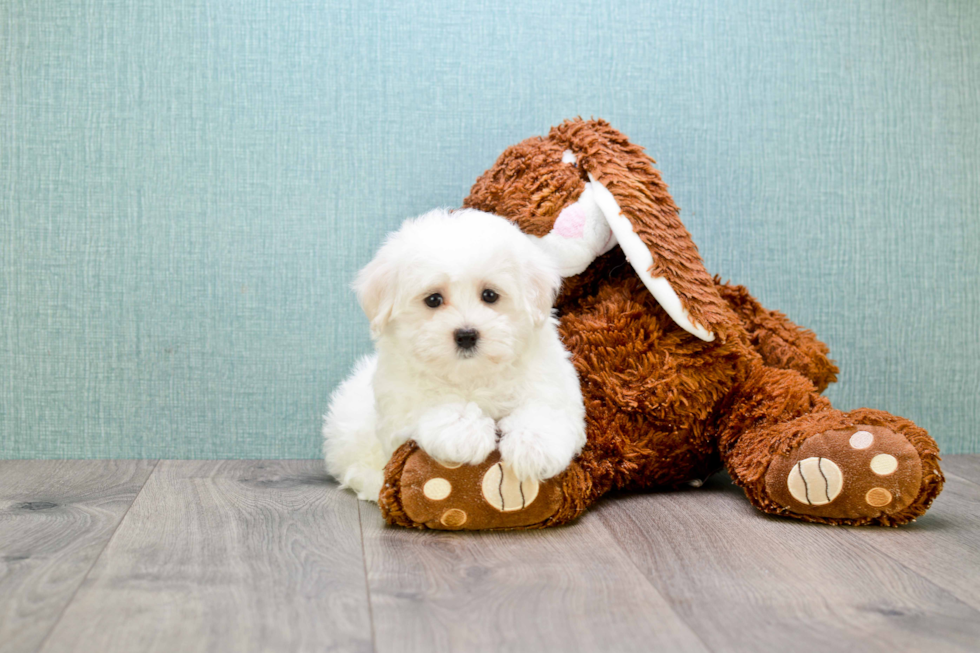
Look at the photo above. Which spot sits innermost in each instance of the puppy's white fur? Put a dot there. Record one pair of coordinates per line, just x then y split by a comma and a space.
420, 385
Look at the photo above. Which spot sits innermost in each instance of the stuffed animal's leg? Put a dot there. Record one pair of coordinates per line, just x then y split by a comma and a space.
420, 492
797, 456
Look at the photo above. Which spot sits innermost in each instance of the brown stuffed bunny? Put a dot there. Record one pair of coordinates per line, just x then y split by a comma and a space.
681, 374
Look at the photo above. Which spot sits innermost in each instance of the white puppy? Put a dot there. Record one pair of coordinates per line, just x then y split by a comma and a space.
466, 346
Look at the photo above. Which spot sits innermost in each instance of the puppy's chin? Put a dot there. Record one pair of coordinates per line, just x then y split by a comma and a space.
464, 366
493, 349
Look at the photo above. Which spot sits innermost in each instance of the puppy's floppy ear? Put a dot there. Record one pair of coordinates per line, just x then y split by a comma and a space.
376, 287
645, 222
541, 282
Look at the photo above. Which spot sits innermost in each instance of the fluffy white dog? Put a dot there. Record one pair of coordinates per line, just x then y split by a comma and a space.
466, 347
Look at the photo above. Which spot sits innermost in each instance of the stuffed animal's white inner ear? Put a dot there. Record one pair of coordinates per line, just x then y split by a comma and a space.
641, 259
579, 235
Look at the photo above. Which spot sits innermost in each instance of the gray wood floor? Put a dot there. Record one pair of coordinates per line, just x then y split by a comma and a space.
270, 556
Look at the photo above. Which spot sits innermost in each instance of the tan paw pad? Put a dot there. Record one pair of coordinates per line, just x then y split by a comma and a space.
884, 464
437, 489
815, 481
878, 497
505, 492
861, 440
453, 518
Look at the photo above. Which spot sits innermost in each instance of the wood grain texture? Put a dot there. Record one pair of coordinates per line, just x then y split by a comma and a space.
56, 517
944, 544
253, 555
966, 467
227, 556
744, 581
562, 589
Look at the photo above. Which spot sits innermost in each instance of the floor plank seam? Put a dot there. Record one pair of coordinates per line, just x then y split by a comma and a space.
105, 546
367, 582
646, 579
950, 475
939, 588
854, 535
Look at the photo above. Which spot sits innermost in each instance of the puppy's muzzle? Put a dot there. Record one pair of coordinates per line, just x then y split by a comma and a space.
466, 339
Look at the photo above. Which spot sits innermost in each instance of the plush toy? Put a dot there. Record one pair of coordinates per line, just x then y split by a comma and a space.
681, 374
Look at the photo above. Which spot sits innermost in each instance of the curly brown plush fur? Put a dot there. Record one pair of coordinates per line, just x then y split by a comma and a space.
664, 407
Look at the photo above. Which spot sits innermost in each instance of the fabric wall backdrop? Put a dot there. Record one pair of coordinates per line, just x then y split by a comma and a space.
188, 187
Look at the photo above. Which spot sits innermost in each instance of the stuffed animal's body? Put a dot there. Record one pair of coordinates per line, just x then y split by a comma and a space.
680, 373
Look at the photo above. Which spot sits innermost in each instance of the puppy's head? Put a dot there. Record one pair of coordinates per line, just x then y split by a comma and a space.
458, 291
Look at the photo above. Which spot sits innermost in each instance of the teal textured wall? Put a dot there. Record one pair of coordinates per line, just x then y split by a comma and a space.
187, 188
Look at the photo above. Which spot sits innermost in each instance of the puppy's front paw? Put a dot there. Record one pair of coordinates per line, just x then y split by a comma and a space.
535, 448
457, 433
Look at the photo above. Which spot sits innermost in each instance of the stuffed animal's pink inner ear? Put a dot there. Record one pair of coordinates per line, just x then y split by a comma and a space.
571, 222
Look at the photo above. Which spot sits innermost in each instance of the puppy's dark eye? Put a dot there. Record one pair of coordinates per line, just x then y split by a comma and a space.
490, 296
434, 300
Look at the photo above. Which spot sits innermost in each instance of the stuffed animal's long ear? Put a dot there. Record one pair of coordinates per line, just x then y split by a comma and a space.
645, 222
375, 288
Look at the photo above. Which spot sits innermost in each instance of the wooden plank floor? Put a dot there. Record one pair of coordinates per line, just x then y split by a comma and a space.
55, 520
271, 556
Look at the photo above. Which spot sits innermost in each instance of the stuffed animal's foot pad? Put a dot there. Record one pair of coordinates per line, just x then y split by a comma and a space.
855, 473
471, 497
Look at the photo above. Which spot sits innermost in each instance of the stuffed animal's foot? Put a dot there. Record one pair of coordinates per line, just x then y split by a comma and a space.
423, 493
860, 474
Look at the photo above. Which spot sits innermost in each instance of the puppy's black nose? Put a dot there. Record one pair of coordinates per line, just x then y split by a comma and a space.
466, 338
